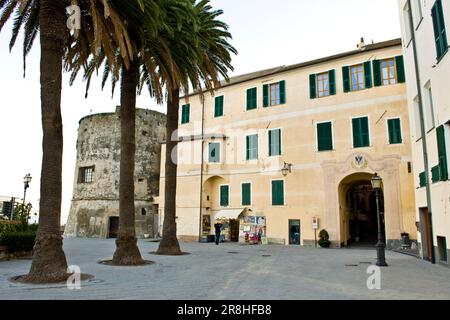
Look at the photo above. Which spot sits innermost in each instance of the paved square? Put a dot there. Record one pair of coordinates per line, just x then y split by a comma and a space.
235, 272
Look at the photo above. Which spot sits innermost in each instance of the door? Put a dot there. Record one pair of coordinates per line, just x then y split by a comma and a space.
294, 232
427, 242
113, 227
234, 230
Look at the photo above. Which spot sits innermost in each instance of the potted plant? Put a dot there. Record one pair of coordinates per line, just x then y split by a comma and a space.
324, 239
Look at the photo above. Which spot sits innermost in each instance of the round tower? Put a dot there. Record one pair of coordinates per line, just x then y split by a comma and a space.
94, 211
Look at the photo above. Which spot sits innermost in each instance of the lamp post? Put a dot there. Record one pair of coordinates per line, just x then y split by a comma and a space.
381, 259
287, 168
26, 185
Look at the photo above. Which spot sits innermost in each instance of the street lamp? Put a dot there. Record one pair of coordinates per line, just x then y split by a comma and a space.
26, 185
381, 259
287, 168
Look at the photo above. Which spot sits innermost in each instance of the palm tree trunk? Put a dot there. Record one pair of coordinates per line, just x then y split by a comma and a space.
169, 244
49, 261
127, 252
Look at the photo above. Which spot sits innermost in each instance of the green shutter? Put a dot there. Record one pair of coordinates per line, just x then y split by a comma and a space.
440, 33
361, 132
270, 143
282, 92
279, 142
266, 95
185, 113
275, 142
400, 64
251, 99
346, 77
324, 136
368, 74
436, 174
246, 194
312, 86
376, 73
248, 148
252, 147
224, 196
218, 109
357, 143
422, 179
395, 132
442, 153
332, 80
278, 193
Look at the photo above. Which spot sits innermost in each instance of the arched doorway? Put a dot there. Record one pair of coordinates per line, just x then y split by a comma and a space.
359, 224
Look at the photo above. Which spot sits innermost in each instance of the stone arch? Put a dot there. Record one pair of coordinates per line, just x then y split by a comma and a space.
387, 167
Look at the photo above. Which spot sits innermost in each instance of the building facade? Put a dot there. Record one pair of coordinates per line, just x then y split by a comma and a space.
94, 210
425, 43
287, 152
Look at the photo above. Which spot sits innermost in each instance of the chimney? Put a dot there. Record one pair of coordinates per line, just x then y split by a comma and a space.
362, 44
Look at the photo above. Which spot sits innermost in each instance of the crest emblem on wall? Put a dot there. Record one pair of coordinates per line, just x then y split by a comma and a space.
359, 162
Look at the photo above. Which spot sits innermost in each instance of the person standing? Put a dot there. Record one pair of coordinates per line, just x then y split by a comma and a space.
218, 228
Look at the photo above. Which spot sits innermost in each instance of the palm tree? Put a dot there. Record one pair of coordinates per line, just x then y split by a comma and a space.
202, 53
152, 52
48, 17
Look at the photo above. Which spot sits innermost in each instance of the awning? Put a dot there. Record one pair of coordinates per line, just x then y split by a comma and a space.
230, 214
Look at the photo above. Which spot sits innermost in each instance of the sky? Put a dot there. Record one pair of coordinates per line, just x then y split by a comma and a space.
266, 34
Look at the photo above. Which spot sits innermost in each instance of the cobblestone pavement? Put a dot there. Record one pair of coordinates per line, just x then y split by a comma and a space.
235, 272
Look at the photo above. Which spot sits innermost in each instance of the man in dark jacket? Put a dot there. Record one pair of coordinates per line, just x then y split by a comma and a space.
218, 227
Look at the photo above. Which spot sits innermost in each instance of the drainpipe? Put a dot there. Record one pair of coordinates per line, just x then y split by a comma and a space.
201, 168
422, 129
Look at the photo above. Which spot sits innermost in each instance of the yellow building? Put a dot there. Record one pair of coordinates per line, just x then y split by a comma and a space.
293, 144
427, 59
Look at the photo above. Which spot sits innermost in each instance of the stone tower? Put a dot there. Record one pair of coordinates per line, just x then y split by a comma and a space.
94, 210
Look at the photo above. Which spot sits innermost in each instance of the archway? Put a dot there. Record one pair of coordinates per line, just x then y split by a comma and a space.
359, 224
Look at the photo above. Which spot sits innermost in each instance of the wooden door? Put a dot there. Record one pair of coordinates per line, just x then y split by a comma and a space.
427, 242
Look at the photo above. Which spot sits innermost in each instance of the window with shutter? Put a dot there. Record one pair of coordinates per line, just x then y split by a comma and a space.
442, 153
346, 78
246, 194
278, 193
252, 99
324, 137
218, 109
361, 132
395, 131
440, 33
323, 85
275, 142
185, 113
224, 196
357, 77
252, 147
274, 94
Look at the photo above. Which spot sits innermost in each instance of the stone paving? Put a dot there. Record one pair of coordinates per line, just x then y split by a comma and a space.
235, 272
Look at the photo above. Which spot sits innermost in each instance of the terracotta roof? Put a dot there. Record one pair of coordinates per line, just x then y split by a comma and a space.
273, 71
